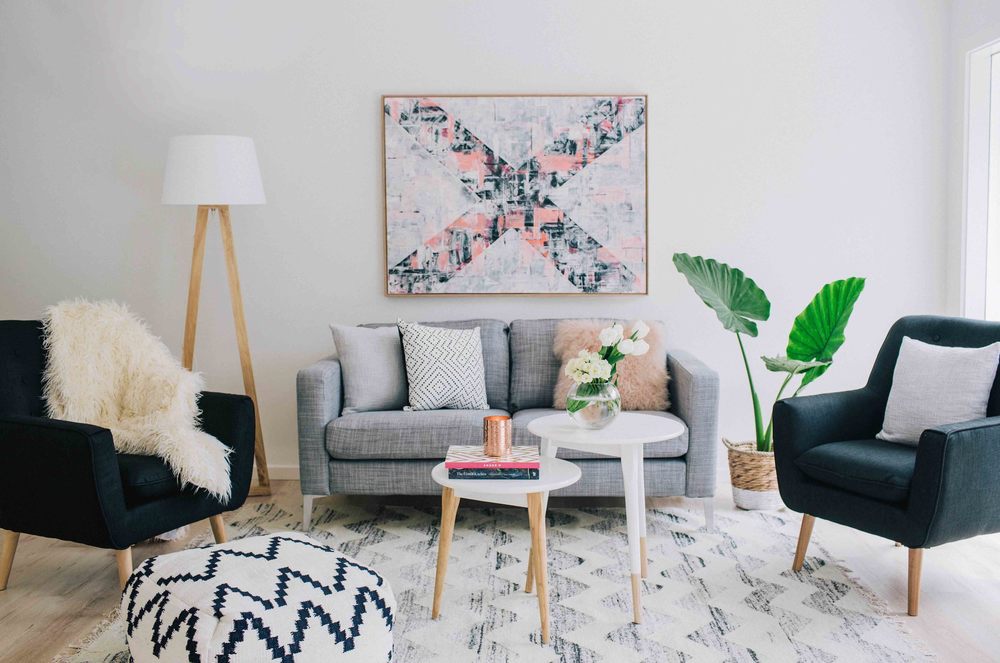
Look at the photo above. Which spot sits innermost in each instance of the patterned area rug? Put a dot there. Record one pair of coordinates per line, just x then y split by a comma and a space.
721, 595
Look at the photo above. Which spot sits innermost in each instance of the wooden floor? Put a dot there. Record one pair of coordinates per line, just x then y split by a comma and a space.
58, 592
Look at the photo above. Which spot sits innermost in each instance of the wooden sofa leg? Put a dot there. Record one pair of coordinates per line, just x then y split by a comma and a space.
804, 533
913, 581
7, 556
124, 558
218, 528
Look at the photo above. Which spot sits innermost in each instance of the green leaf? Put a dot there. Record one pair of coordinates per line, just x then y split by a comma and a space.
783, 364
734, 297
818, 332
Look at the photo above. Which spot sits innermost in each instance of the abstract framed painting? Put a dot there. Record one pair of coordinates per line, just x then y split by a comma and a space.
515, 194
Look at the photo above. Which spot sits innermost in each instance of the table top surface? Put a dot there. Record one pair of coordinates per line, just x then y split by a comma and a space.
553, 473
627, 428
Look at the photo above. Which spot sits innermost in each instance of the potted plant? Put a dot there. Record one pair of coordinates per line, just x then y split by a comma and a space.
817, 333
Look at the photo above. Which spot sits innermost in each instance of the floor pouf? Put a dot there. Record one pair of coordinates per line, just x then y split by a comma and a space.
282, 597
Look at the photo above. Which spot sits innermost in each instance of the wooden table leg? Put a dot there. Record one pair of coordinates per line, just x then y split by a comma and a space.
449, 508
536, 518
530, 579
634, 515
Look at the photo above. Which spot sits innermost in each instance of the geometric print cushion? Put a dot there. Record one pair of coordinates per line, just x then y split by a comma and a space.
281, 597
444, 367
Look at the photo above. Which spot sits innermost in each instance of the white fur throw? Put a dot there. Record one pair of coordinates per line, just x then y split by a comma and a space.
107, 369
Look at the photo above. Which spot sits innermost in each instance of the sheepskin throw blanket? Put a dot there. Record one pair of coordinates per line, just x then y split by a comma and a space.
107, 369
642, 380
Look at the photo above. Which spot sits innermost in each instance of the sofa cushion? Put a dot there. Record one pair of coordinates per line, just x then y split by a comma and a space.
374, 373
496, 354
873, 468
666, 449
534, 367
420, 434
146, 478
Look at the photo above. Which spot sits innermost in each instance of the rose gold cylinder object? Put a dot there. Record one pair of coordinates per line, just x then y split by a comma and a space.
497, 436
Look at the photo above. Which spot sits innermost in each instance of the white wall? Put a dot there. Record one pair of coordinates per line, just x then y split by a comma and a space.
802, 141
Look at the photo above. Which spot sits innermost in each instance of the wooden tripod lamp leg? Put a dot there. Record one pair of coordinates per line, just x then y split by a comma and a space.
194, 287
263, 481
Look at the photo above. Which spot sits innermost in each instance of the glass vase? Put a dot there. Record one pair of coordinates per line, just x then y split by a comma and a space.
593, 405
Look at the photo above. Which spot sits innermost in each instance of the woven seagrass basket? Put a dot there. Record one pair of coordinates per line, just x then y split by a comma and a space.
751, 472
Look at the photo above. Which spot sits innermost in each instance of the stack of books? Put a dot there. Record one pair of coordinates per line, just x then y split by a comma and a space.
470, 462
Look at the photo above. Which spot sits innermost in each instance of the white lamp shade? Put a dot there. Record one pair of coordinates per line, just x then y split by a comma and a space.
212, 170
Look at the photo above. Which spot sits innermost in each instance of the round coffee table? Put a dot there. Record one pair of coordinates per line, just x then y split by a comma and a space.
624, 439
553, 473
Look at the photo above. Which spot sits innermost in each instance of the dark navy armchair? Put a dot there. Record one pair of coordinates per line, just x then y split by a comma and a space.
831, 466
64, 479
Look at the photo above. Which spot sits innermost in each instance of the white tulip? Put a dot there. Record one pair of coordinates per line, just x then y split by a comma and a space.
640, 329
640, 348
627, 346
610, 335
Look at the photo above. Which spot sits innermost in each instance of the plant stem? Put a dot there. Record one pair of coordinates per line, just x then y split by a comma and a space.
770, 422
757, 421
800, 388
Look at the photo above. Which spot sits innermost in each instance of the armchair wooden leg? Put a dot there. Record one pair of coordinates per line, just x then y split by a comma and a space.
913, 581
7, 556
218, 528
124, 558
804, 533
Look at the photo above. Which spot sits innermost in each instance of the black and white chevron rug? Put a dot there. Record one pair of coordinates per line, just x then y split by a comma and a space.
721, 595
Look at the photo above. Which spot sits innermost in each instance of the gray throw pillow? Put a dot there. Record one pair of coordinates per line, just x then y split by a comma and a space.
372, 364
444, 367
935, 385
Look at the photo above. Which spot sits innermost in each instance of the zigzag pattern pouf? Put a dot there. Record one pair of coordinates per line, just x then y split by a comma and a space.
282, 597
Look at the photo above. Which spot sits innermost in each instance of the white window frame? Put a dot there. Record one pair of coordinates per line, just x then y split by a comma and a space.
976, 201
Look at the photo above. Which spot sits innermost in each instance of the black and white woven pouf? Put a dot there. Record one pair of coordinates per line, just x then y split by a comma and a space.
282, 597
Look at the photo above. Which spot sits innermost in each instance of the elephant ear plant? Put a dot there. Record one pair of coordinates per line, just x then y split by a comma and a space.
817, 333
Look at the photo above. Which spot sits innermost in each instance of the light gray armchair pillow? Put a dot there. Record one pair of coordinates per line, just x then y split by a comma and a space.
935, 385
372, 364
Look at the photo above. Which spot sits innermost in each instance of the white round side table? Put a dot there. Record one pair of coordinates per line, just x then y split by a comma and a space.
553, 473
623, 438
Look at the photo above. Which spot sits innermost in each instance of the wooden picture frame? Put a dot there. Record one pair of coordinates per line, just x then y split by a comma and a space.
512, 238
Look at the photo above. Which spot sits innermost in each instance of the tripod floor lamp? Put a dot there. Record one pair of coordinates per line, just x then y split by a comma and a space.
212, 173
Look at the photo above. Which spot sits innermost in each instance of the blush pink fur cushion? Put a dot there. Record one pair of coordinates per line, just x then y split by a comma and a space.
642, 380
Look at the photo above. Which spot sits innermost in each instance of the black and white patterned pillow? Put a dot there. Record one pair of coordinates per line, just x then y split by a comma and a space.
444, 367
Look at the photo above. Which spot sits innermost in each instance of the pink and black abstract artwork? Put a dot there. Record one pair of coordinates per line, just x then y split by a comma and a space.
538, 194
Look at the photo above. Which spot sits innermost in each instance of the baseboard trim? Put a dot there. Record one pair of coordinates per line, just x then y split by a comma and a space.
283, 472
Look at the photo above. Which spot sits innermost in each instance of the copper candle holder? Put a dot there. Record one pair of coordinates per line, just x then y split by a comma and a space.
497, 436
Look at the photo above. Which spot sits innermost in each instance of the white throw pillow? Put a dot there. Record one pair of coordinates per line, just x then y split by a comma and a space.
371, 361
935, 385
444, 367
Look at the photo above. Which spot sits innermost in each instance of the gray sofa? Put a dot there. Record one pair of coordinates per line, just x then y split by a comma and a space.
392, 453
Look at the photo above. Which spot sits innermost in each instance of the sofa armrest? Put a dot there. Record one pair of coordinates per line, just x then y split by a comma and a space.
230, 419
319, 401
954, 493
694, 397
61, 479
